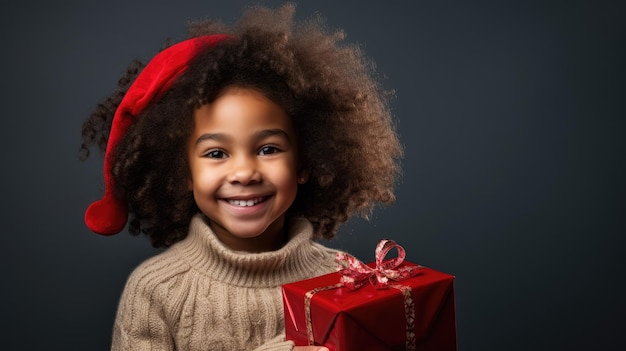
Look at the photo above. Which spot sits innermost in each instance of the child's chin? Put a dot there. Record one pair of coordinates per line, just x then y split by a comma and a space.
243, 230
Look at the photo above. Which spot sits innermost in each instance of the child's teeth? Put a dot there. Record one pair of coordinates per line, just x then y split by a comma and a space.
244, 203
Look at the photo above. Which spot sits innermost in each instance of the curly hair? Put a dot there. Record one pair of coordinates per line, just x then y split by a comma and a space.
347, 138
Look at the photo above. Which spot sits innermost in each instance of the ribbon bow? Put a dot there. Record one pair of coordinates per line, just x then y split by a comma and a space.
355, 273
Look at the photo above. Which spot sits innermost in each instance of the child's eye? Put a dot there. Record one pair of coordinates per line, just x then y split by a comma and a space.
215, 154
268, 150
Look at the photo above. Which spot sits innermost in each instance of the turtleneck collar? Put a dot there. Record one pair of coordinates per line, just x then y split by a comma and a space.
294, 261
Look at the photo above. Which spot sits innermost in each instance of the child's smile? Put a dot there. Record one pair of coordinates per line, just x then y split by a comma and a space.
246, 206
244, 168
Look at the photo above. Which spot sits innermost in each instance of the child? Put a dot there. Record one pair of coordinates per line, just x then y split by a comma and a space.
237, 149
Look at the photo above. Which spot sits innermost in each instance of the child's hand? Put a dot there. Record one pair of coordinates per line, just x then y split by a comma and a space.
310, 348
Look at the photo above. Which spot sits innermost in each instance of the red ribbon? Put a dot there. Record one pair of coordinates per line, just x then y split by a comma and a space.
355, 274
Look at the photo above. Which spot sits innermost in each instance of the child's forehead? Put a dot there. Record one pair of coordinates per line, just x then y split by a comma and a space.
242, 111
237, 99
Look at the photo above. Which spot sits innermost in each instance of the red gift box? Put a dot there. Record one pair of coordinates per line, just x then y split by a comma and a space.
416, 313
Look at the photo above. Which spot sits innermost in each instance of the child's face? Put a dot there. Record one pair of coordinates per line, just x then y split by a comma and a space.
244, 168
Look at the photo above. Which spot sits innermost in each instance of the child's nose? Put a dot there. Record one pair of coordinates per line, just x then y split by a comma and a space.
244, 171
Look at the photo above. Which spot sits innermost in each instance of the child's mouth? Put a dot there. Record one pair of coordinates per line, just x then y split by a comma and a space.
245, 203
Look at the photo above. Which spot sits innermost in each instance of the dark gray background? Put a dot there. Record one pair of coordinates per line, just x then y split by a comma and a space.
511, 112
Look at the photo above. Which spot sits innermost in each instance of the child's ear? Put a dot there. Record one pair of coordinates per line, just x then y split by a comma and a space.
303, 176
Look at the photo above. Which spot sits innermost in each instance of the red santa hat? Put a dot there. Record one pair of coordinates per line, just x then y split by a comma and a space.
109, 215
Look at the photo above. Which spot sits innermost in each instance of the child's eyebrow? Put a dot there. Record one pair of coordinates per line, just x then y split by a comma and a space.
211, 136
260, 135
263, 134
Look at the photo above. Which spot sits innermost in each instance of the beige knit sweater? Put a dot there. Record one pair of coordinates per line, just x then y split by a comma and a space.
199, 295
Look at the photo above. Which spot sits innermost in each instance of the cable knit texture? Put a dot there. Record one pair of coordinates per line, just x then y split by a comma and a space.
200, 295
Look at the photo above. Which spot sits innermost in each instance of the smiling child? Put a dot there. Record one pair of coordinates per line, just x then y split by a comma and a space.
237, 149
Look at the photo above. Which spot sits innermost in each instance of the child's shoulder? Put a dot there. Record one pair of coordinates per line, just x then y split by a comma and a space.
327, 251
327, 263
158, 270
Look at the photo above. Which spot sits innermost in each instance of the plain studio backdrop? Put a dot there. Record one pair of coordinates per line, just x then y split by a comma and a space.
511, 114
